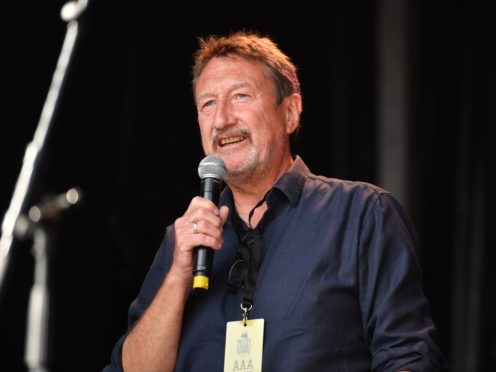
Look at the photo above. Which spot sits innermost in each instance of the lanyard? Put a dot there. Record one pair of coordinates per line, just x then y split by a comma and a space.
250, 247
244, 271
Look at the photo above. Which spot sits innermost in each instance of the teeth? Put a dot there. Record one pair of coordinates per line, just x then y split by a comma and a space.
226, 141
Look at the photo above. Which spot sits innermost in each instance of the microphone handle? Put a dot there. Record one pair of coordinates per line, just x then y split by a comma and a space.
210, 188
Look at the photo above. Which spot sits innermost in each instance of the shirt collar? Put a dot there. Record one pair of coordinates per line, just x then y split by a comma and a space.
289, 184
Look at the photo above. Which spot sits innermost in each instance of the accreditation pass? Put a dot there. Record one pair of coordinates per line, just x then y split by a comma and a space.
244, 345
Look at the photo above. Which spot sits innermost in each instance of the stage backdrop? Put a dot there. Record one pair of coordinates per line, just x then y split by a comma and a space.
125, 132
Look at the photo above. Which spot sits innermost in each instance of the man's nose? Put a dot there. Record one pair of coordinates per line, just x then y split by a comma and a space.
223, 114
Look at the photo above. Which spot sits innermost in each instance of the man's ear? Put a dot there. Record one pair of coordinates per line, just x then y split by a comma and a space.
293, 111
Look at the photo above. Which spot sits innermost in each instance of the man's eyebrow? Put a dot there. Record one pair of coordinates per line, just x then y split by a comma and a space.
239, 85
204, 95
231, 88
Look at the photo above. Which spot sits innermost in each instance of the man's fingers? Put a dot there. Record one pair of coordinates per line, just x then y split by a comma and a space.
201, 203
208, 241
206, 215
205, 227
201, 225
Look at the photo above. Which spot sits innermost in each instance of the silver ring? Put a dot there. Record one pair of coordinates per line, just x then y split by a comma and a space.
195, 228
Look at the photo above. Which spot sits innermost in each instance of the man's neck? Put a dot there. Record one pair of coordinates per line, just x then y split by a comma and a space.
249, 193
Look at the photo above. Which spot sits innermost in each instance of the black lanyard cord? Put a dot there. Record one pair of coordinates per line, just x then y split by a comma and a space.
251, 250
244, 271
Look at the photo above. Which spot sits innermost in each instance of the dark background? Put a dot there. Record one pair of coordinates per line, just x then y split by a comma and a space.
125, 131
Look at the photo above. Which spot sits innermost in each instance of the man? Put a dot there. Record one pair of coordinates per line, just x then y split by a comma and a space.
331, 264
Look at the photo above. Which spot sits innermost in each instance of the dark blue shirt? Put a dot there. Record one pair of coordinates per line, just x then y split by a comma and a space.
339, 285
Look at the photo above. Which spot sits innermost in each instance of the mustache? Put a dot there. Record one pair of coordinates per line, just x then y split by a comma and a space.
229, 132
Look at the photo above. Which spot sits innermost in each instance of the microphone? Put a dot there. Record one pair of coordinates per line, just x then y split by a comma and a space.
212, 171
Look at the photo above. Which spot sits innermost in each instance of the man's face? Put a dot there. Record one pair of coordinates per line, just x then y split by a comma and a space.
239, 117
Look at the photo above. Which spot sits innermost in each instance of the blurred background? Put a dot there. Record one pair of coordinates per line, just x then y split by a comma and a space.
398, 93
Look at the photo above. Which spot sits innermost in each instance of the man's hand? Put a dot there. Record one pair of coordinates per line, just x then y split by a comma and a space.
209, 222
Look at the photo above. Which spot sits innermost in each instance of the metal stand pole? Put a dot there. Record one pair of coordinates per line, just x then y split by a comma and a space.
36, 351
70, 12
36, 225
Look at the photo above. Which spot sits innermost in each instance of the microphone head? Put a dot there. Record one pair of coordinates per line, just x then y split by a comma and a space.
212, 166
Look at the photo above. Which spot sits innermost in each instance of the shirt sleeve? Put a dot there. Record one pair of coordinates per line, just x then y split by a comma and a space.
395, 313
154, 279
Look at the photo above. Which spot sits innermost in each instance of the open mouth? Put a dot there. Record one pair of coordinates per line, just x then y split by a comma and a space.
230, 140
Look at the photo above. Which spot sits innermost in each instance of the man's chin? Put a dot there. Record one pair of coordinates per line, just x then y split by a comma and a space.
238, 170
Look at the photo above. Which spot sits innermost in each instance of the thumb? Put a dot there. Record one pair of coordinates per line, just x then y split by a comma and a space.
224, 213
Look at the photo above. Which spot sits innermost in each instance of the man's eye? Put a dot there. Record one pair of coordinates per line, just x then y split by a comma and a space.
207, 104
240, 96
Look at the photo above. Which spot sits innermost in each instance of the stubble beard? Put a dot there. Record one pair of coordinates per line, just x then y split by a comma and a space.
241, 171
246, 169
252, 168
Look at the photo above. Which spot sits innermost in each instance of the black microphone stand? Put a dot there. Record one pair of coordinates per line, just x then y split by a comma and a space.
70, 13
